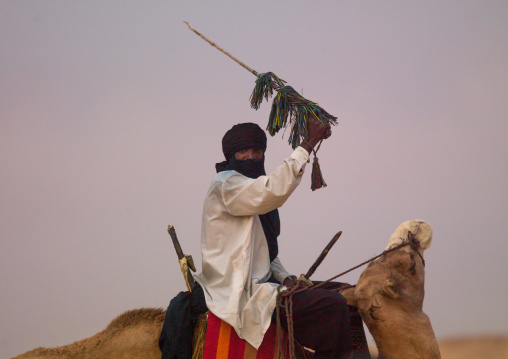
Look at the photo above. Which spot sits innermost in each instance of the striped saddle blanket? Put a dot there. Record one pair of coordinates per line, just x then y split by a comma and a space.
222, 342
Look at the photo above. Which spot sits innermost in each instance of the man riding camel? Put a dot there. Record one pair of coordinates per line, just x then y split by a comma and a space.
240, 225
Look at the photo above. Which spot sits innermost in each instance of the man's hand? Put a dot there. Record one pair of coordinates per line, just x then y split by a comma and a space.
315, 132
290, 281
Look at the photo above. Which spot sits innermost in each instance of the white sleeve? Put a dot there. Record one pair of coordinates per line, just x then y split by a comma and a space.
279, 272
244, 196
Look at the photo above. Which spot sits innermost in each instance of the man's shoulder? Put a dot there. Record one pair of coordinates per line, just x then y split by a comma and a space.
222, 181
225, 175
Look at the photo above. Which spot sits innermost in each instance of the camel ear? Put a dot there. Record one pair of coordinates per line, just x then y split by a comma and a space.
390, 289
424, 235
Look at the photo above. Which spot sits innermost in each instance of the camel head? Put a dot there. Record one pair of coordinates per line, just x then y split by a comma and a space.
389, 296
421, 231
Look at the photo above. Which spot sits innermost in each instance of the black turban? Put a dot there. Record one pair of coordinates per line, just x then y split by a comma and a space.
242, 137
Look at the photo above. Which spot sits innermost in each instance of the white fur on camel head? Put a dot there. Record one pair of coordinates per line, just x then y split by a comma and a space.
421, 230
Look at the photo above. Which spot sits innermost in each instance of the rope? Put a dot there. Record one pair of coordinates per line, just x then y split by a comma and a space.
288, 306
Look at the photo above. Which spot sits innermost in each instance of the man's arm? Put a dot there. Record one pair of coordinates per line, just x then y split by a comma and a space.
279, 272
244, 196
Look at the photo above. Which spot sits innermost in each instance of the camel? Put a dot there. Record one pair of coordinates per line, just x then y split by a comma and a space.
132, 335
389, 295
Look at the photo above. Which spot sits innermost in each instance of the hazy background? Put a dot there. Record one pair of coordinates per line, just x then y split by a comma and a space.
111, 116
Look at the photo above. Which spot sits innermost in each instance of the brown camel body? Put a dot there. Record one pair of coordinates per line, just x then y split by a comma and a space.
132, 335
389, 296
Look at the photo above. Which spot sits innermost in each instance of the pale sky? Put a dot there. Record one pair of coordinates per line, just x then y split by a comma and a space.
112, 113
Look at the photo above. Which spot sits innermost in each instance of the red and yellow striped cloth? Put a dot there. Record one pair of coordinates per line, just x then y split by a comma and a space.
222, 342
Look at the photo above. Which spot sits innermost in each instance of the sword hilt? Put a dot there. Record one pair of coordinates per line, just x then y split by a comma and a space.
186, 262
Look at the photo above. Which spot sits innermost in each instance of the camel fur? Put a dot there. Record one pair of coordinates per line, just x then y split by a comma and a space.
389, 296
132, 335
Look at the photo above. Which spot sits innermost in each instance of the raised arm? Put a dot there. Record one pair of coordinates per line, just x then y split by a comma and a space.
246, 196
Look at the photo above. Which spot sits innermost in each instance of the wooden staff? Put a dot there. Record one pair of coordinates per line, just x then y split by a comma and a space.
322, 255
222, 50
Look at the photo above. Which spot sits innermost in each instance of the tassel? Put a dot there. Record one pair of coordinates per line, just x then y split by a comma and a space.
290, 107
265, 84
317, 180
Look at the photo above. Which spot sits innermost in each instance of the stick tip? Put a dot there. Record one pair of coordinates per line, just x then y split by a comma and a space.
170, 227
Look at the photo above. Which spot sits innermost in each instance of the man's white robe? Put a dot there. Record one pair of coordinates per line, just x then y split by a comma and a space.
236, 263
